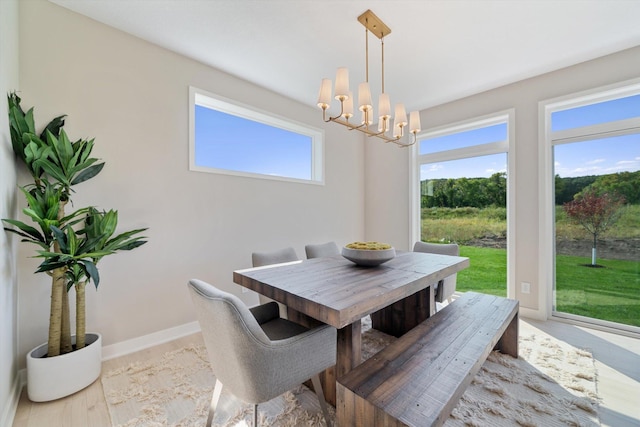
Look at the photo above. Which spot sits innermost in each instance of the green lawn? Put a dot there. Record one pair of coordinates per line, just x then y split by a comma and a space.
487, 272
608, 293
611, 293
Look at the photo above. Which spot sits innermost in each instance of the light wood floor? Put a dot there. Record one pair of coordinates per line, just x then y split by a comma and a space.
617, 362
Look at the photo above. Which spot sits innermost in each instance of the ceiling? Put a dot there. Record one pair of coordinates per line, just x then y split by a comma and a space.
438, 50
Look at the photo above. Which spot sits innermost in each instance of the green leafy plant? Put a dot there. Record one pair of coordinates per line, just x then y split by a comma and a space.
70, 245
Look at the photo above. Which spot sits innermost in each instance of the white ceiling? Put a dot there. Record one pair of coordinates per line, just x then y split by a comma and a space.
438, 51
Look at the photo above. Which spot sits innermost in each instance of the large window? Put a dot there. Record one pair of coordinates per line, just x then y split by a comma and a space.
463, 196
230, 138
592, 209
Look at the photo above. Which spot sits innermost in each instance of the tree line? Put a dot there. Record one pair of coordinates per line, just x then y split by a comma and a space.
625, 184
492, 191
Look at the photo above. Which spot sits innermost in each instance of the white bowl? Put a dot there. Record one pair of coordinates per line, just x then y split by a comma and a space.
368, 258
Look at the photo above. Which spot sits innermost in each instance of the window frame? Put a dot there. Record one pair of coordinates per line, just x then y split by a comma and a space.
548, 139
225, 105
505, 146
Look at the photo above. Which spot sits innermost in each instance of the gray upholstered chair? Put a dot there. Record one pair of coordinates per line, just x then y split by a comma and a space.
445, 288
260, 259
256, 354
322, 250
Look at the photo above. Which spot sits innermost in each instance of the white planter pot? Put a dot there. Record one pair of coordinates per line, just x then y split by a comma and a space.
50, 378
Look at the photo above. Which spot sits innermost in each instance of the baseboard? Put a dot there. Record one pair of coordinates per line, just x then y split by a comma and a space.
11, 406
136, 344
531, 314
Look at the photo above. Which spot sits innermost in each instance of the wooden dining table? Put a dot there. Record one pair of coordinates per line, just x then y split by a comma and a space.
398, 295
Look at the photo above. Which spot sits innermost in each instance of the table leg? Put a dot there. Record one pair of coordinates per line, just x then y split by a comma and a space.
404, 315
349, 355
508, 343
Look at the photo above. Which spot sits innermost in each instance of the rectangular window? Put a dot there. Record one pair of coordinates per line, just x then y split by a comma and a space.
463, 197
591, 214
230, 138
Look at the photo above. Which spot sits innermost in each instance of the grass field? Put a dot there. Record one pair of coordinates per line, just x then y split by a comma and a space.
610, 293
464, 224
487, 272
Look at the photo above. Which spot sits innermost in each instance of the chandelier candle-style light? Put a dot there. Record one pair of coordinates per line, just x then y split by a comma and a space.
342, 93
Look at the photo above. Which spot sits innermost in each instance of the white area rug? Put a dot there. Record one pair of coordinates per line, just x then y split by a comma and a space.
550, 384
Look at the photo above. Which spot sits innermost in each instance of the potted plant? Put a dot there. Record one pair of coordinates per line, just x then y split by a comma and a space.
70, 244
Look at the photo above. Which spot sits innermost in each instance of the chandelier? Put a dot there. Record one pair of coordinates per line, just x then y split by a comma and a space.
342, 93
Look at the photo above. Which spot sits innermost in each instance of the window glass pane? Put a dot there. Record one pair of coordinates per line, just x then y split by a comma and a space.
225, 141
464, 201
484, 135
598, 157
597, 238
474, 167
602, 112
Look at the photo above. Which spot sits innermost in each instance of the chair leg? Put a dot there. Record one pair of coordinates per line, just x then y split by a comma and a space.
255, 415
214, 402
315, 380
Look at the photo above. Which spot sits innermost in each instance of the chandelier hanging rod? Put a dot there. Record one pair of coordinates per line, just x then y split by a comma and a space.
371, 23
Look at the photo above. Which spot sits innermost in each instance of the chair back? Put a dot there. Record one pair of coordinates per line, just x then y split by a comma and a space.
243, 358
234, 339
322, 250
447, 287
260, 259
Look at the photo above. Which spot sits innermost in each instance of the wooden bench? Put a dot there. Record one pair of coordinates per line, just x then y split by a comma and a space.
418, 379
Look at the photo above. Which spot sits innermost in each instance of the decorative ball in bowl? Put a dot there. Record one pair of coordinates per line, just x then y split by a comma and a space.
368, 254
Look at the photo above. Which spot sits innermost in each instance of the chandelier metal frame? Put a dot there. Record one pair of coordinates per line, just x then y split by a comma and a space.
374, 25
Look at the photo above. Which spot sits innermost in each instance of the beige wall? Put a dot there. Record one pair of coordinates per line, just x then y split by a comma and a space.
387, 207
8, 291
133, 98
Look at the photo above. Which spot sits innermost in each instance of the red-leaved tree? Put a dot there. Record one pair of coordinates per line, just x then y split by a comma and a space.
595, 212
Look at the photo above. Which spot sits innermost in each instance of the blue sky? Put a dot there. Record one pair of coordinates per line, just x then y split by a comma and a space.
475, 167
596, 157
226, 141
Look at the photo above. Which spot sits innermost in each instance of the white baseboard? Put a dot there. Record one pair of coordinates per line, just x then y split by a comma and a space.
136, 344
9, 411
531, 314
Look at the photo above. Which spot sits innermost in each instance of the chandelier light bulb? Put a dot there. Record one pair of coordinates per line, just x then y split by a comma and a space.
384, 106
384, 112
364, 97
415, 122
342, 83
400, 116
397, 129
366, 116
324, 96
347, 107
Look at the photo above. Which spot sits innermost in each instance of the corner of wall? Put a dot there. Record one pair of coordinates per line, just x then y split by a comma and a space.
11, 384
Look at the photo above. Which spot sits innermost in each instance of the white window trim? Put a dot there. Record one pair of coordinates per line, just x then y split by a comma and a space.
508, 147
546, 195
226, 105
